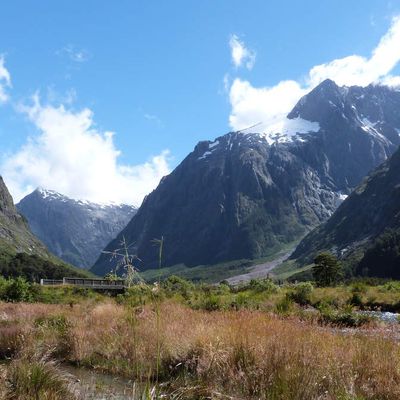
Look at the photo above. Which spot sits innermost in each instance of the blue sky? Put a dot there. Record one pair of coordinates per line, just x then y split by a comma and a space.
160, 75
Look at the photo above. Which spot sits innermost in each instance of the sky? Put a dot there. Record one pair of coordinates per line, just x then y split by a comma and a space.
100, 99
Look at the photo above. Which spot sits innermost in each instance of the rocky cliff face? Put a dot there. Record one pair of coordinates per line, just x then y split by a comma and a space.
247, 193
365, 230
75, 231
15, 236
21, 253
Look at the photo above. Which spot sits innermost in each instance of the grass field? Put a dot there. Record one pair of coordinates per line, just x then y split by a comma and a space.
186, 341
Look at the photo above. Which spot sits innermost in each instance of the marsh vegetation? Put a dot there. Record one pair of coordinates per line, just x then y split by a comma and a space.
186, 341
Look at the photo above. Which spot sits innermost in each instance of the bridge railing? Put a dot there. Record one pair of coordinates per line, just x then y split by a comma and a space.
94, 283
51, 282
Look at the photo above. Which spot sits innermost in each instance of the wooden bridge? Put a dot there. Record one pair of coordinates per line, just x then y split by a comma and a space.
89, 283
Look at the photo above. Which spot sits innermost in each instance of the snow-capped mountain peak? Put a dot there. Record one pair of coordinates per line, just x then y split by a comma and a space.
74, 230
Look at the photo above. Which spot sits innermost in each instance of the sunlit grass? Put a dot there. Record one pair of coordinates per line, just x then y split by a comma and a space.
244, 354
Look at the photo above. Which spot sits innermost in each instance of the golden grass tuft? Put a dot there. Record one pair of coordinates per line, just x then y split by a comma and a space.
36, 378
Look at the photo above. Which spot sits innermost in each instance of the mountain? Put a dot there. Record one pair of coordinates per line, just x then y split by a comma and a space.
75, 231
365, 230
21, 253
14, 232
246, 194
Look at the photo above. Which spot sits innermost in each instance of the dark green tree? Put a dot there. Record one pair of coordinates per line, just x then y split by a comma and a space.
327, 270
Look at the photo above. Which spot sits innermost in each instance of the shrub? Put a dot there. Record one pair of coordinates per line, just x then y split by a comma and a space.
175, 284
359, 287
301, 294
263, 285
212, 302
356, 300
16, 290
242, 300
284, 306
136, 295
392, 286
346, 317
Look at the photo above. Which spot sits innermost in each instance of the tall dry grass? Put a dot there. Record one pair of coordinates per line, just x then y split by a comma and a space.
243, 354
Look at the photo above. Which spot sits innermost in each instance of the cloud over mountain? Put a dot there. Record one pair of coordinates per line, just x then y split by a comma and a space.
71, 155
269, 105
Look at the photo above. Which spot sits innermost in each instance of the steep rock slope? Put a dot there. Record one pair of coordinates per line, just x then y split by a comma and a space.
21, 253
75, 231
365, 230
247, 193
15, 235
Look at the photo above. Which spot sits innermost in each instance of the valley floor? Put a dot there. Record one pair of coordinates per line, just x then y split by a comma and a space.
178, 342
261, 270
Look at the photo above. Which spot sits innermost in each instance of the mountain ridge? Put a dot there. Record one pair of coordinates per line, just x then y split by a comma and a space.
241, 197
21, 253
74, 230
370, 214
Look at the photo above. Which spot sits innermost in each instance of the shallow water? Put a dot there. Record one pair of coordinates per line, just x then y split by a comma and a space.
93, 385
382, 315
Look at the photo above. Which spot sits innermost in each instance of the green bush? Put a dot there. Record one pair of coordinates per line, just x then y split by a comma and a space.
15, 290
284, 306
212, 302
176, 285
346, 317
359, 287
356, 300
392, 286
263, 286
136, 295
3, 287
242, 300
301, 293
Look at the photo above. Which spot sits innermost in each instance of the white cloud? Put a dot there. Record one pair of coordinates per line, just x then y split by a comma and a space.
153, 118
241, 55
70, 155
268, 105
357, 70
5, 81
391, 81
252, 105
75, 54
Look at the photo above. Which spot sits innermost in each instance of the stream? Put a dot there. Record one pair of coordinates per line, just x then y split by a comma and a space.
93, 385
384, 316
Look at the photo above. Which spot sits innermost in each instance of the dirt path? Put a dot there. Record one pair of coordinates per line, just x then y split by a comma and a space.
260, 270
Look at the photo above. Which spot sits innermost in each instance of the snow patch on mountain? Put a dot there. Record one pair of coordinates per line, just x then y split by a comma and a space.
53, 195
205, 155
213, 144
74, 230
49, 194
211, 147
372, 128
284, 130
